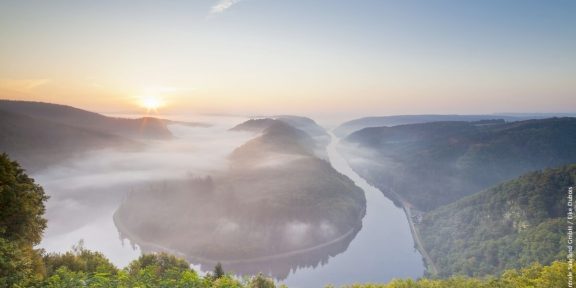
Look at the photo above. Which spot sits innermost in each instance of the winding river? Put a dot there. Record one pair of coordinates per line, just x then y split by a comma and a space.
90, 190
382, 250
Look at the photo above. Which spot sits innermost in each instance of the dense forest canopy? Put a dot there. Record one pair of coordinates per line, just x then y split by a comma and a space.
509, 226
530, 205
436, 163
21, 225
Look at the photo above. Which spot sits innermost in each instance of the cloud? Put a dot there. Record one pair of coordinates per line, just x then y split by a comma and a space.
223, 5
21, 85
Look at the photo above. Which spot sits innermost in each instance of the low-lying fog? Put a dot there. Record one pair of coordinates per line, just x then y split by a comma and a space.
84, 193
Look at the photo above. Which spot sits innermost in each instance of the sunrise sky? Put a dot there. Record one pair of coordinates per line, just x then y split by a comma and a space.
303, 57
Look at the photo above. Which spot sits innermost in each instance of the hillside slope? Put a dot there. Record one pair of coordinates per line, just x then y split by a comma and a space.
354, 125
436, 163
509, 226
351, 126
37, 144
304, 124
147, 127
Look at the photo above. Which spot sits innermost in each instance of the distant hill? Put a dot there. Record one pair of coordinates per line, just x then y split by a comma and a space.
36, 143
432, 164
347, 128
147, 127
277, 137
41, 134
509, 226
319, 136
254, 125
307, 125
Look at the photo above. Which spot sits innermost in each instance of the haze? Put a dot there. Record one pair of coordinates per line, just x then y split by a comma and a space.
91, 186
291, 57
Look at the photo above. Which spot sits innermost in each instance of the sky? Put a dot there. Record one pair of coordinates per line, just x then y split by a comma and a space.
306, 57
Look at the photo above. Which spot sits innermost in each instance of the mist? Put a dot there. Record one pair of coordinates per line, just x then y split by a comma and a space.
85, 192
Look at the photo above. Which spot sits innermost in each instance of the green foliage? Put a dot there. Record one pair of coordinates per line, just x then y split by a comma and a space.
22, 202
84, 268
14, 268
162, 263
79, 260
434, 164
218, 271
161, 270
509, 226
226, 281
261, 282
21, 225
535, 276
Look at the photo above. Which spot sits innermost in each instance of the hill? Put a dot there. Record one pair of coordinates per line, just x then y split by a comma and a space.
433, 164
142, 128
276, 137
508, 226
275, 208
351, 126
37, 144
307, 125
41, 134
23, 266
254, 125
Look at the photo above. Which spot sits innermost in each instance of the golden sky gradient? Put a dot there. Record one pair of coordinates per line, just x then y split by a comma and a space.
291, 57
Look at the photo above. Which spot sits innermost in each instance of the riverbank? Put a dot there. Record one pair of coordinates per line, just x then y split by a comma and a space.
126, 233
407, 208
430, 265
399, 202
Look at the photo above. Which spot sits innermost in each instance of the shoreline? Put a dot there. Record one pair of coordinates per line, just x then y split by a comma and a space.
143, 244
398, 201
430, 265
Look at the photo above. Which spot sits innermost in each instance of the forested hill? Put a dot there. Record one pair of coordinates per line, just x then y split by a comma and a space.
277, 137
433, 164
310, 131
37, 144
147, 127
509, 226
351, 126
272, 184
41, 134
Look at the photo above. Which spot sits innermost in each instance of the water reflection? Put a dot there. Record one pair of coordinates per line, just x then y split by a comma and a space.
276, 266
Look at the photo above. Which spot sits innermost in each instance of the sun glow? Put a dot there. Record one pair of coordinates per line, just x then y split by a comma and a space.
151, 103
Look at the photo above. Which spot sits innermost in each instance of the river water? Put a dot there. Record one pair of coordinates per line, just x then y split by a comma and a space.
85, 194
382, 250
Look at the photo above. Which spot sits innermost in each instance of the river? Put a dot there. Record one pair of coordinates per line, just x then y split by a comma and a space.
382, 250
84, 195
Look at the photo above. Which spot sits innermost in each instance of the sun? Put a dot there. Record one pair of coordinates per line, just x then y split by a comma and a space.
151, 103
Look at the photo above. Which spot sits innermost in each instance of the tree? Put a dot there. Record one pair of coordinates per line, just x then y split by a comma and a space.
260, 281
21, 225
79, 259
218, 271
162, 263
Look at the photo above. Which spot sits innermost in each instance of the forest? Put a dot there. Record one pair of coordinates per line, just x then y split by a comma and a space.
21, 265
454, 159
508, 226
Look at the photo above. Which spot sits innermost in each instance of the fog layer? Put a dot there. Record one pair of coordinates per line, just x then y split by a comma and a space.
84, 193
